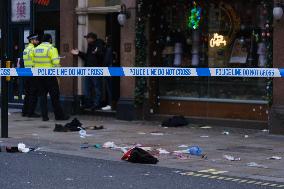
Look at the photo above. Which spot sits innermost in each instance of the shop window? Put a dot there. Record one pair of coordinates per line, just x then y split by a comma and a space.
228, 34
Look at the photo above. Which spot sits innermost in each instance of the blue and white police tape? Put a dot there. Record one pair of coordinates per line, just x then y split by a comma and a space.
143, 71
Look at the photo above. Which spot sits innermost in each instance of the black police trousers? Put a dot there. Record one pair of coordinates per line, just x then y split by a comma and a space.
31, 96
49, 85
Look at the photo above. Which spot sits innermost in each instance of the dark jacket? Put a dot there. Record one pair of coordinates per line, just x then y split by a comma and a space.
108, 58
93, 57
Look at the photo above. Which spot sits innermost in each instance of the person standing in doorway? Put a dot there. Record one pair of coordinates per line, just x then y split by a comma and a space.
46, 56
31, 89
93, 58
109, 59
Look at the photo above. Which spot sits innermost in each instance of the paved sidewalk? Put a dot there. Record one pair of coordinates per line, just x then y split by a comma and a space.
256, 148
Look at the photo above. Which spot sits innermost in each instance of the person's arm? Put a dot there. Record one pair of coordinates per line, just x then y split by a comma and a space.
53, 54
82, 55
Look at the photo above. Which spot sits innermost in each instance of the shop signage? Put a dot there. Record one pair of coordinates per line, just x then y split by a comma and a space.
217, 41
20, 10
127, 47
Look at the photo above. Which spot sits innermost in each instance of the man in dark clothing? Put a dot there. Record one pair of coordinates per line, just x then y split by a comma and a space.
93, 58
30, 83
109, 59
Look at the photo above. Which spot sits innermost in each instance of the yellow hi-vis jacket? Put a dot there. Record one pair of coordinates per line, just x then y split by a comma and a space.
28, 56
46, 56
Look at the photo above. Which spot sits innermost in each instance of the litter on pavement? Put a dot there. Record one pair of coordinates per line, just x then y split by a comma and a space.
176, 121
138, 155
22, 148
157, 134
95, 128
225, 133
183, 146
206, 127
253, 164
83, 133
163, 151
109, 145
204, 136
231, 158
275, 158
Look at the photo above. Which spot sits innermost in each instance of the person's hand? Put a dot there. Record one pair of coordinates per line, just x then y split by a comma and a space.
75, 52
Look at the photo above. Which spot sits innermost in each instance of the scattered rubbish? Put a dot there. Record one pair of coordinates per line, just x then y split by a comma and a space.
231, 158
163, 151
204, 136
246, 136
141, 133
34, 134
149, 149
109, 145
95, 128
22, 148
108, 176
265, 130
195, 150
83, 133
182, 156
69, 179
10, 150
74, 125
181, 152
176, 121
275, 158
98, 146
84, 146
206, 127
225, 133
157, 134
9, 114
183, 146
253, 164
138, 155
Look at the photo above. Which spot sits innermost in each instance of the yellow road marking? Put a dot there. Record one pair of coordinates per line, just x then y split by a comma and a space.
212, 174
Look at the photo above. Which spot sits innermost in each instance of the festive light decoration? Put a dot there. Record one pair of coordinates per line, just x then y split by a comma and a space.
42, 2
141, 55
194, 17
217, 40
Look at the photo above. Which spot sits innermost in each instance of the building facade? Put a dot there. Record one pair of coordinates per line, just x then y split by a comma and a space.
226, 34
184, 33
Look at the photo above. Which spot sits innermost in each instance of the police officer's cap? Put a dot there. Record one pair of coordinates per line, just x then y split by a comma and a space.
91, 35
32, 36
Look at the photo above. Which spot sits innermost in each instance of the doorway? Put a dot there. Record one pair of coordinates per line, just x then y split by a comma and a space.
113, 32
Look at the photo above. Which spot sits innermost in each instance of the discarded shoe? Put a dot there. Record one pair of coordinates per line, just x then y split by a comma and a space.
95, 128
74, 125
138, 155
176, 121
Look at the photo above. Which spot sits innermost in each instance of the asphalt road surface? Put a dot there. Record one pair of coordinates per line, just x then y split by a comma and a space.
54, 171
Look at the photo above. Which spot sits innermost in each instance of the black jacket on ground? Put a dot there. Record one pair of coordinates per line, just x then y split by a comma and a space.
95, 54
